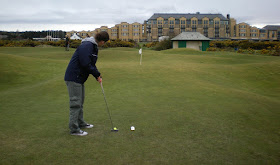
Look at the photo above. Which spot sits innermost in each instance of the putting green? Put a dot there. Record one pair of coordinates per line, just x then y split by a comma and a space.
189, 107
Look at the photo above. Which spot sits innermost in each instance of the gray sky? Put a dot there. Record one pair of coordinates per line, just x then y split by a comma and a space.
110, 12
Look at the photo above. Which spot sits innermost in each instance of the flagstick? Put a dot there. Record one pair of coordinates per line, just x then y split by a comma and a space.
141, 57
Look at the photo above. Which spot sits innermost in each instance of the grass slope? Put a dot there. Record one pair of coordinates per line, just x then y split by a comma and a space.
188, 107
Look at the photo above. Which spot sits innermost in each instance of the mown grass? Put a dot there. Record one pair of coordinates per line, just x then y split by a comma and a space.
188, 107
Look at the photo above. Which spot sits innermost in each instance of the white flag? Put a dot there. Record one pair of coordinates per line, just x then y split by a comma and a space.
140, 51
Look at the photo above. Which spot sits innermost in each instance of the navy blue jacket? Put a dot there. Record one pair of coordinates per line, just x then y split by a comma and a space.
83, 62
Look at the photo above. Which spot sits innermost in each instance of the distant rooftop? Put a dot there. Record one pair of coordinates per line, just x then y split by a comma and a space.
194, 36
187, 15
272, 27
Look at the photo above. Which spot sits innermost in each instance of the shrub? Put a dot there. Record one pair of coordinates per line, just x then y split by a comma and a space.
211, 49
3, 42
276, 50
120, 43
163, 45
151, 44
245, 44
250, 51
60, 43
75, 43
211, 44
264, 51
29, 43
240, 51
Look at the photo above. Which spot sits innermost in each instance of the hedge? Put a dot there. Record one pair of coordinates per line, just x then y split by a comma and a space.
246, 46
61, 43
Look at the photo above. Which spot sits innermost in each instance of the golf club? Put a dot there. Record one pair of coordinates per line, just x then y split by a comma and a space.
114, 129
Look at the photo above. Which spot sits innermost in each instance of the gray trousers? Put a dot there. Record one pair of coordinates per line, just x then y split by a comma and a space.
77, 96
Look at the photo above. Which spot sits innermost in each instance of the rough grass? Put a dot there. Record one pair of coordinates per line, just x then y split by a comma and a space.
188, 107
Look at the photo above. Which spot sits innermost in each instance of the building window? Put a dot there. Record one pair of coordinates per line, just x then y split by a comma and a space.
205, 22
199, 22
165, 21
193, 21
194, 28
183, 22
177, 21
188, 22
205, 31
159, 22
242, 30
253, 30
217, 33
254, 35
227, 29
171, 22
273, 34
225, 22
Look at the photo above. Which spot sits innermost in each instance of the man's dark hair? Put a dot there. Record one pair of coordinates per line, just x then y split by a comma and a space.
102, 36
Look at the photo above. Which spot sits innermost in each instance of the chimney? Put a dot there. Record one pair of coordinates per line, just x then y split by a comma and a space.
228, 16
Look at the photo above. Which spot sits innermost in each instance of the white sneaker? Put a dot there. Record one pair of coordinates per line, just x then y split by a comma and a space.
88, 126
81, 133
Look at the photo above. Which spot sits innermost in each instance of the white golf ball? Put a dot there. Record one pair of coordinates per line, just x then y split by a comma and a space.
132, 128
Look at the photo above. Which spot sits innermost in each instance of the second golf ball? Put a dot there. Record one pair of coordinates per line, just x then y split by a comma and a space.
132, 128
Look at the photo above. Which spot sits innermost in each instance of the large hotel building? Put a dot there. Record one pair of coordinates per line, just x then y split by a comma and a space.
213, 26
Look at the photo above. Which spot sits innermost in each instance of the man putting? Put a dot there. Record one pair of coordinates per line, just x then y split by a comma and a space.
80, 66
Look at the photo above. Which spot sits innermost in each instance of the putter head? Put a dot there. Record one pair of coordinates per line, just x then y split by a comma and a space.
114, 129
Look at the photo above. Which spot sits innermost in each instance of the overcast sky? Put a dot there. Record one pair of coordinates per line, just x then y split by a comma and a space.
110, 12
